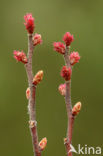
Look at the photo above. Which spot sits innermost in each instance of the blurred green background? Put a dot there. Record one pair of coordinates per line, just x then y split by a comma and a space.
53, 18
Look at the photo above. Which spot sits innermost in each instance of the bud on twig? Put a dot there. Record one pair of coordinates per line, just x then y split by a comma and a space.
66, 73
43, 143
68, 38
38, 77
32, 123
37, 39
29, 23
20, 56
59, 47
76, 109
65, 140
62, 89
74, 58
28, 93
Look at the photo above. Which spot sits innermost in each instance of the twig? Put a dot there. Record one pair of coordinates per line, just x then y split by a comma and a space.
68, 105
33, 81
31, 105
65, 89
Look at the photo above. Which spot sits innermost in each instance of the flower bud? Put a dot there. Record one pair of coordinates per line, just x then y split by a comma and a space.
68, 38
38, 77
62, 89
29, 23
42, 144
74, 58
76, 109
28, 93
37, 39
66, 73
59, 47
20, 56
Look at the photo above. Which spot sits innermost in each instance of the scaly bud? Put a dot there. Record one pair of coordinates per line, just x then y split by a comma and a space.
28, 93
32, 123
37, 39
59, 47
65, 141
42, 144
68, 38
76, 109
74, 58
29, 23
20, 56
38, 77
62, 89
66, 73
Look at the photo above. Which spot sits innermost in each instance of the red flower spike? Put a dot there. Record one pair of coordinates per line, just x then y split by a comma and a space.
29, 23
62, 89
37, 39
43, 143
68, 38
59, 47
20, 56
38, 77
66, 73
74, 58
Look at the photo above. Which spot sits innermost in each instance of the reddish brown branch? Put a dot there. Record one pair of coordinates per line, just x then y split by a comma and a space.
33, 40
31, 104
65, 89
68, 106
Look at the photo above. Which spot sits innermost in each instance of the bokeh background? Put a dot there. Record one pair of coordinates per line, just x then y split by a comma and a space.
53, 18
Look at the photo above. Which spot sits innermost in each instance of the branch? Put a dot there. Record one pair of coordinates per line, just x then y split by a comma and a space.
65, 89
68, 105
31, 105
33, 40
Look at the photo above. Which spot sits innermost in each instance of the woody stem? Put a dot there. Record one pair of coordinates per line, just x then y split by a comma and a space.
31, 103
68, 106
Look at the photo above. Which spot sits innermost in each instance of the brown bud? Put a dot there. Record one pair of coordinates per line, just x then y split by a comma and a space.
32, 123
65, 140
28, 93
37, 39
38, 77
62, 89
76, 109
42, 144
